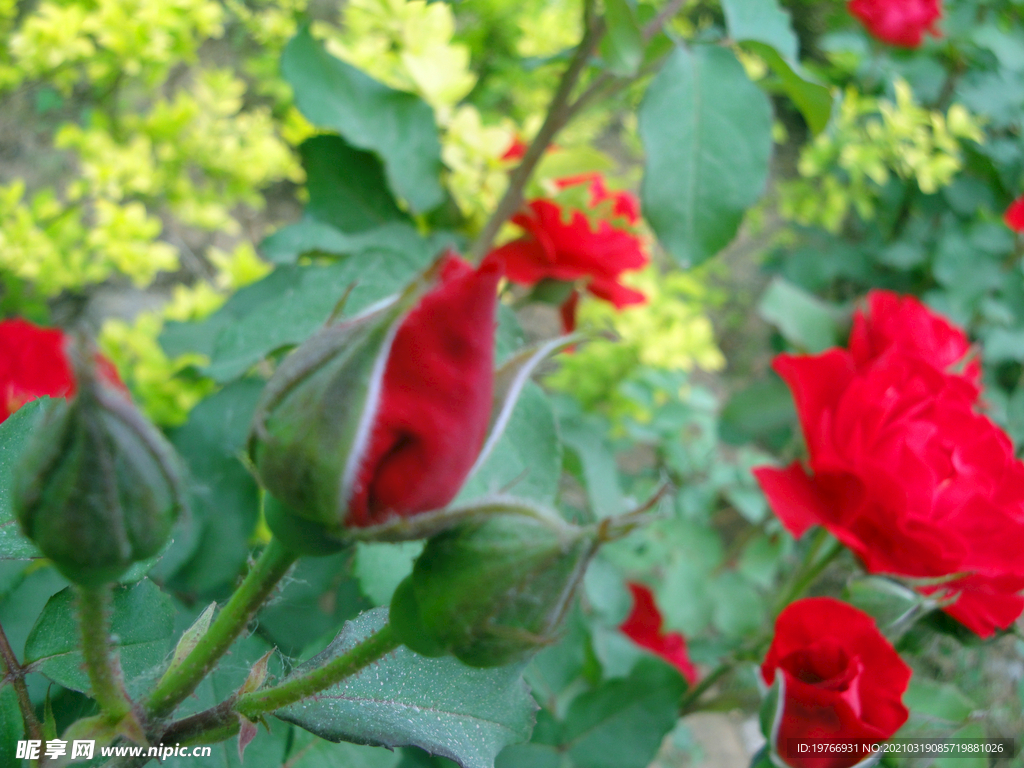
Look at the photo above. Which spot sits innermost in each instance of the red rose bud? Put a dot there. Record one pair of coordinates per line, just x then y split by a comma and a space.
494, 589
383, 416
98, 486
644, 627
902, 468
1014, 216
33, 364
833, 676
898, 22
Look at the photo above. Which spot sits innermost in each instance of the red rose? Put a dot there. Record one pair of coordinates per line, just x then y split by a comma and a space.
33, 364
904, 471
643, 627
898, 22
838, 678
1014, 216
435, 401
561, 246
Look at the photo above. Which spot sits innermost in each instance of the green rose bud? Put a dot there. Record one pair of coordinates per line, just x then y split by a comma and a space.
494, 589
98, 486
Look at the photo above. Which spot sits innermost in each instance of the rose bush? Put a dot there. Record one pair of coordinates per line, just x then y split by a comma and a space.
898, 22
836, 676
904, 470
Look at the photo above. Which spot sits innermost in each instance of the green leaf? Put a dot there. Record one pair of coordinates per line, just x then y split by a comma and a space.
758, 411
584, 435
379, 568
813, 99
884, 600
527, 459
397, 126
622, 723
706, 130
14, 434
805, 321
971, 732
942, 701
764, 21
308, 751
738, 609
223, 496
143, 622
319, 598
12, 725
623, 47
312, 236
347, 188
439, 705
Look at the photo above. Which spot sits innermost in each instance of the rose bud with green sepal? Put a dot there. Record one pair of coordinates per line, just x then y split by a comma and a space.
494, 589
381, 416
98, 487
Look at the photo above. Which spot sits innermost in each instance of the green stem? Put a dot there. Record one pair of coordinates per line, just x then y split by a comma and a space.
266, 572
693, 694
809, 570
254, 704
104, 673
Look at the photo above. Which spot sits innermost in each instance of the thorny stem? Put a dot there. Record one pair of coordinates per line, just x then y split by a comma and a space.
559, 113
103, 669
299, 687
266, 572
221, 722
16, 674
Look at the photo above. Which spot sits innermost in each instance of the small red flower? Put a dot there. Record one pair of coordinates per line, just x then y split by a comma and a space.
1014, 216
644, 627
435, 402
561, 245
841, 679
898, 22
34, 364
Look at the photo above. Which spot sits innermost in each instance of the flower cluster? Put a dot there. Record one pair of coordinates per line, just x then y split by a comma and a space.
903, 468
563, 245
898, 22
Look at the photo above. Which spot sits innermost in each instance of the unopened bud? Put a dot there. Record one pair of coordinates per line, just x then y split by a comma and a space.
494, 589
98, 486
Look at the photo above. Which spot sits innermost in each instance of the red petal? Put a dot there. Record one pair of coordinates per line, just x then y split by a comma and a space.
793, 497
643, 627
435, 400
1014, 216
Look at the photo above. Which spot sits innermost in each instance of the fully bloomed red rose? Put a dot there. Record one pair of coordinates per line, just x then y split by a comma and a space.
838, 678
435, 401
562, 245
644, 627
898, 22
902, 468
34, 364
1014, 216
